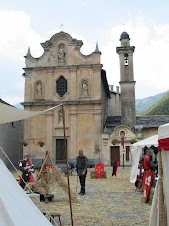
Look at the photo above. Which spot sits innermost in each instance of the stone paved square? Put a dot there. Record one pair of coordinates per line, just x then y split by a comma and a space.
108, 202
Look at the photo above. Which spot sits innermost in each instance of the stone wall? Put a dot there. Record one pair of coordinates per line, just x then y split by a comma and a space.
114, 106
10, 136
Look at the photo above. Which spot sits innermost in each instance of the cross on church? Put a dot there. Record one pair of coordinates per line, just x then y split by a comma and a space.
61, 27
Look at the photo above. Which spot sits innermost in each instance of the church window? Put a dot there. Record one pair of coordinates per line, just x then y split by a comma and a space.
61, 86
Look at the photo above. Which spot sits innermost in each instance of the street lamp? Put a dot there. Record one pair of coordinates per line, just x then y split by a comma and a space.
122, 135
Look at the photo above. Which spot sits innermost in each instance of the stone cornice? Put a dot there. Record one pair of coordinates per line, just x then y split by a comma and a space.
70, 67
53, 103
124, 48
125, 82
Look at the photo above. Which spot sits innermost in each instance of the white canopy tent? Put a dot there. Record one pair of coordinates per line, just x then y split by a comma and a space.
12, 114
136, 151
17, 208
159, 215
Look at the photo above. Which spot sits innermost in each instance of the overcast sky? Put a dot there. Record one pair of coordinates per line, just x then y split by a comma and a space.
26, 23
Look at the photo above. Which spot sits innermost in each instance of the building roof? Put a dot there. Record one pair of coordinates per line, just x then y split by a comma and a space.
113, 121
153, 121
124, 35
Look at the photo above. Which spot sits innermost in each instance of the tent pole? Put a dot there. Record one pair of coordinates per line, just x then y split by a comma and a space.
161, 195
65, 147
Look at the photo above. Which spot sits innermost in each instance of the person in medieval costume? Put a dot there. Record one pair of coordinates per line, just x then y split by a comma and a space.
27, 168
81, 167
149, 167
115, 167
140, 172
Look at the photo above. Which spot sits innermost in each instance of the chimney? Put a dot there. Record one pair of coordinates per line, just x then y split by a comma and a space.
111, 87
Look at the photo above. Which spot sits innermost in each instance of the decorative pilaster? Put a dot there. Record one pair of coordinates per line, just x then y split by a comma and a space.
49, 85
73, 133
27, 132
28, 88
73, 81
97, 131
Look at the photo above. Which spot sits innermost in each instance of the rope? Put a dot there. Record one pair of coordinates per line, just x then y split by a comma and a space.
48, 214
80, 148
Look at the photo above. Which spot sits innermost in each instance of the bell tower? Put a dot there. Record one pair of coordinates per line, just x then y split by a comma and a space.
127, 83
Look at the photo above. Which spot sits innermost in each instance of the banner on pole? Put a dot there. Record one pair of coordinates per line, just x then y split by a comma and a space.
99, 169
148, 182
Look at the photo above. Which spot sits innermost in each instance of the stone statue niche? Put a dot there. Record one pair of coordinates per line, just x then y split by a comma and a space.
61, 54
60, 117
39, 89
85, 91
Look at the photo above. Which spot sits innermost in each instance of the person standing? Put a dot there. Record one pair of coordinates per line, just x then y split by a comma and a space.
149, 167
81, 167
115, 167
27, 168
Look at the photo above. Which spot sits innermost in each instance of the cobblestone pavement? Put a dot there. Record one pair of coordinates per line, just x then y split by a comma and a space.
108, 202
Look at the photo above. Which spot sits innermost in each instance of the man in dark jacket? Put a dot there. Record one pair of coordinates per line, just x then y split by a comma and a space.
81, 166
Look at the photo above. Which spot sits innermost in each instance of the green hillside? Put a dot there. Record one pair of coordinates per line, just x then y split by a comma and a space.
144, 104
161, 107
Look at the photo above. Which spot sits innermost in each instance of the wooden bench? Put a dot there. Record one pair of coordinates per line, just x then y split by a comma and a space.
52, 217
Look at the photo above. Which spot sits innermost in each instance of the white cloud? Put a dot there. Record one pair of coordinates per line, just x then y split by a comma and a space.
87, 47
13, 99
150, 56
17, 35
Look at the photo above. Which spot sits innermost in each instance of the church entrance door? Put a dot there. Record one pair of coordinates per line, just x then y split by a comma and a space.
60, 152
114, 154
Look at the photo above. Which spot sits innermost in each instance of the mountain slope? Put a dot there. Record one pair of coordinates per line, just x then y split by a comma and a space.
143, 104
161, 107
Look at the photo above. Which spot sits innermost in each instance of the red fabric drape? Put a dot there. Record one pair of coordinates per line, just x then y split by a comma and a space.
163, 144
117, 165
122, 141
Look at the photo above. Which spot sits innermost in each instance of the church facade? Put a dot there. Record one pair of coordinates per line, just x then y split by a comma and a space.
63, 75
98, 119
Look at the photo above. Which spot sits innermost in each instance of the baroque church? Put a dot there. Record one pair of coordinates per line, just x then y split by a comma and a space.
98, 119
